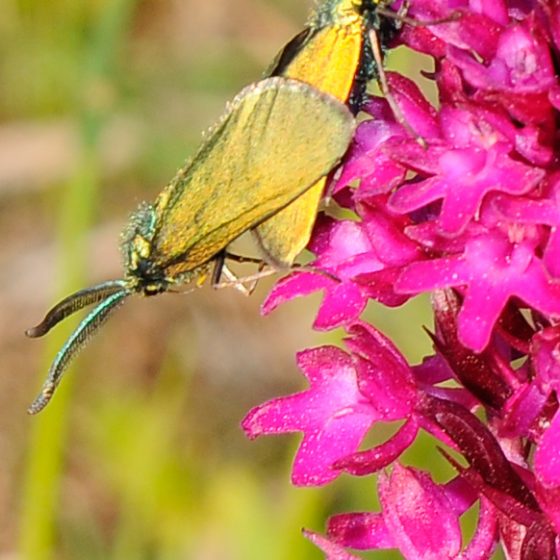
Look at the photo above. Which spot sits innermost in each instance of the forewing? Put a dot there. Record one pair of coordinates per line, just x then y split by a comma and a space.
328, 59
277, 139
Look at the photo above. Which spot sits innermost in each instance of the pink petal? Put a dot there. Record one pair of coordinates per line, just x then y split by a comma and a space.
547, 456
342, 303
292, 286
419, 515
363, 531
373, 460
332, 414
332, 550
486, 536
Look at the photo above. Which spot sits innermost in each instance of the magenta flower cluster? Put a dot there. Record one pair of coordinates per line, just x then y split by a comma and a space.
472, 217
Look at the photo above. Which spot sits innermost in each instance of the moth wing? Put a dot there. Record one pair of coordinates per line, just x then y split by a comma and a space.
328, 60
277, 139
284, 235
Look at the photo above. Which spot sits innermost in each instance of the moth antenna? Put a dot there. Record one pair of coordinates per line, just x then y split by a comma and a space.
75, 302
77, 340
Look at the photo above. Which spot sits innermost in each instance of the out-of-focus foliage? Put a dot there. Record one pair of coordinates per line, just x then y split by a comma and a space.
101, 101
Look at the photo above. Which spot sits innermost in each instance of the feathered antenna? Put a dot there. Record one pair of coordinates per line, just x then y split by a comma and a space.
108, 296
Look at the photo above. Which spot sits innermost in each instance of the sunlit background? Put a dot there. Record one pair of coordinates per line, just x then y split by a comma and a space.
140, 455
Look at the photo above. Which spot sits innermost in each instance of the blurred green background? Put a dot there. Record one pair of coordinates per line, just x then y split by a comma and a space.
140, 454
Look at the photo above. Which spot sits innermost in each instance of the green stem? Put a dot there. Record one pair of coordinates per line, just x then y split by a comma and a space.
48, 431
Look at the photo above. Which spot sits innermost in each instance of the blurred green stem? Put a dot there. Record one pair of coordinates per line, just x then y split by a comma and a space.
42, 479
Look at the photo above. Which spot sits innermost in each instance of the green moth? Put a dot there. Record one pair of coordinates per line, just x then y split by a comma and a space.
277, 138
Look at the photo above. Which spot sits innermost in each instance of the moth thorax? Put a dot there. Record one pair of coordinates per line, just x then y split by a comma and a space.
147, 277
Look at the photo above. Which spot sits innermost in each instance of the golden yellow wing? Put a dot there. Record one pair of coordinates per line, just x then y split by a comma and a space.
329, 60
277, 138
283, 236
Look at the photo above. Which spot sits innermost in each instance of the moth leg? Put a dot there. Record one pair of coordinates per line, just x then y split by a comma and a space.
252, 280
219, 263
402, 12
386, 90
241, 259
401, 16
316, 270
231, 280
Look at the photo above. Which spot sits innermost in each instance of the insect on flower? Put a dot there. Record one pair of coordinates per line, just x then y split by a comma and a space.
262, 168
338, 52
231, 185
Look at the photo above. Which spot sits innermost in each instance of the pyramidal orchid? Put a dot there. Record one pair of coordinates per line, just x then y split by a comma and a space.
473, 218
